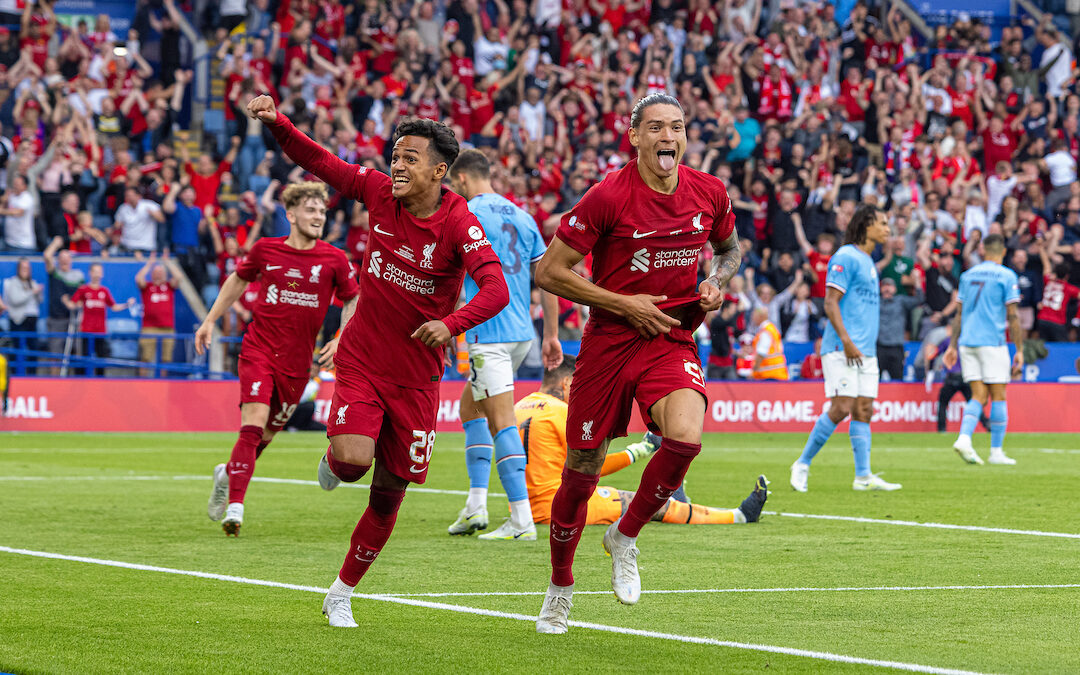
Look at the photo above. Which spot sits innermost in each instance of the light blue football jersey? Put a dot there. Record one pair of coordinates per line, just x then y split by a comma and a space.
985, 290
854, 273
516, 240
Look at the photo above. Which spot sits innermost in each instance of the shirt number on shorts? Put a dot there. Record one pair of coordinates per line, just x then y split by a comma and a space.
694, 370
420, 450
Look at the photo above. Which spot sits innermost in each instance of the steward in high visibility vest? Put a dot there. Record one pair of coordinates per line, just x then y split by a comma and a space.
768, 349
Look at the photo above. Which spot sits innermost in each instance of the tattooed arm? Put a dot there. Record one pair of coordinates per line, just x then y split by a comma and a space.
727, 256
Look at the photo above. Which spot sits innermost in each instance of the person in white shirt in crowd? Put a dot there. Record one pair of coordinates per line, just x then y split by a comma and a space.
1061, 166
1061, 71
18, 212
137, 220
998, 187
22, 296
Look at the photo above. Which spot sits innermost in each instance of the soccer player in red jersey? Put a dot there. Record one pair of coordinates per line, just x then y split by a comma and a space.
298, 275
423, 240
645, 226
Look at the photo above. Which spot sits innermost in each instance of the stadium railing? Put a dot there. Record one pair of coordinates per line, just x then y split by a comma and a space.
26, 355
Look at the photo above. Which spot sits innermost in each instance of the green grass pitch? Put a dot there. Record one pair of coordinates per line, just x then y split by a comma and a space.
142, 499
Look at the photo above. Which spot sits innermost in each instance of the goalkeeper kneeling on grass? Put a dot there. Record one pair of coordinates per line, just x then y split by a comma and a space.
542, 422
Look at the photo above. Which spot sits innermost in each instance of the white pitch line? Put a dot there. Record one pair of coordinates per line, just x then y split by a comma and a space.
435, 491
939, 526
793, 589
1058, 451
791, 651
256, 479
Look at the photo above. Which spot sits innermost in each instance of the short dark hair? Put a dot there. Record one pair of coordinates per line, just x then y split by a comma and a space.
442, 144
649, 101
995, 243
860, 223
564, 369
472, 162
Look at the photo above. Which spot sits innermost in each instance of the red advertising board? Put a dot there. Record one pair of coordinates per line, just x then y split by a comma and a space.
55, 404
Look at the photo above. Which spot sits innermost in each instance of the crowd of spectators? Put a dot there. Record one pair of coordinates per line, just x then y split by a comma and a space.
803, 112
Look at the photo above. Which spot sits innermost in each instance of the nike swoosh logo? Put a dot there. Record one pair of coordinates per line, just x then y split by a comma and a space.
383, 232
420, 470
639, 235
235, 473
271, 268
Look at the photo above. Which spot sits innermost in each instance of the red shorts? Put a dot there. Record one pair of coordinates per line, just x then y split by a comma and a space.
260, 383
400, 419
616, 366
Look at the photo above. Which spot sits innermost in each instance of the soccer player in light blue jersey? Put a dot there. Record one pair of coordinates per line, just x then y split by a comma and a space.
989, 297
849, 349
496, 350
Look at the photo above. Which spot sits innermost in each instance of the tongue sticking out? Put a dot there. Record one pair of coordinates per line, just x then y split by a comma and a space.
667, 162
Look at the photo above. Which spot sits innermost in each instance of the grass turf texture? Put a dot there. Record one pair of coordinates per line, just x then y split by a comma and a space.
58, 615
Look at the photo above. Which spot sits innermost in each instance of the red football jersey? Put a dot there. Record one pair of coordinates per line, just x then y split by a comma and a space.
412, 270
643, 241
1055, 300
158, 302
96, 302
412, 273
296, 290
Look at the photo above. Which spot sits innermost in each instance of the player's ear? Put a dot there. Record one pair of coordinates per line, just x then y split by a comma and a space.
633, 134
440, 171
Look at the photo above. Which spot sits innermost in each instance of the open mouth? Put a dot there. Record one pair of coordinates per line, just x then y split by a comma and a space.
400, 181
666, 159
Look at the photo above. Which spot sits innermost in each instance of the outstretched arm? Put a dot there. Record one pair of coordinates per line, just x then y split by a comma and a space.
339, 174
230, 292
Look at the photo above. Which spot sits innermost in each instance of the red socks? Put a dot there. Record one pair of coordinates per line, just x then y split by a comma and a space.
348, 473
569, 511
371, 533
663, 475
242, 462
260, 447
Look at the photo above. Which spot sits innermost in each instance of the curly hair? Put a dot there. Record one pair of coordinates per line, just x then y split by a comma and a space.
442, 144
297, 193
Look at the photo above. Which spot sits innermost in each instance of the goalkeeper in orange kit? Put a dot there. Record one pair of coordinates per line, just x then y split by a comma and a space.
541, 421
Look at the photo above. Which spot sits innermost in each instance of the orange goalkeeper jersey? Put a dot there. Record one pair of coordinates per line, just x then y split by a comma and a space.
542, 423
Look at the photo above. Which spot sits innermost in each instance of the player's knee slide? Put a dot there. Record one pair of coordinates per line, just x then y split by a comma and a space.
385, 502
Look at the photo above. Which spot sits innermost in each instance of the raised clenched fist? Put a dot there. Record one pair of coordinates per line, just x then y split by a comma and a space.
262, 108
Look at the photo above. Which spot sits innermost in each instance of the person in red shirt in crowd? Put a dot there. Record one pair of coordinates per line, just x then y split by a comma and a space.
1057, 293
36, 30
817, 258
206, 177
159, 316
811, 366
423, 240
95, 301
461, 65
